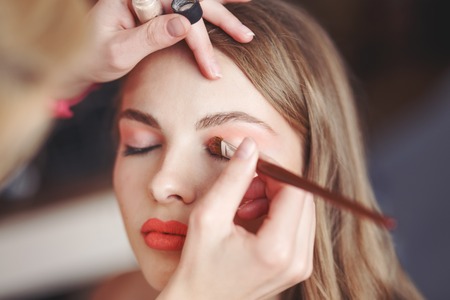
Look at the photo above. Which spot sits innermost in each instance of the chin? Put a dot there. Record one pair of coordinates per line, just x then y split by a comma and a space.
159, 269
158, 283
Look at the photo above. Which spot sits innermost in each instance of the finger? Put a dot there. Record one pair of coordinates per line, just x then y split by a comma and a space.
300, 264
311, 212
198, 41
218, 15
161, 32
227, 192
283, 232
284, 214
306, 236
113, 14
167, 6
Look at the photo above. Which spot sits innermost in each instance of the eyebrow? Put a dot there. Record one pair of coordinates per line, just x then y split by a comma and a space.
225, 117
140, 116
211, 120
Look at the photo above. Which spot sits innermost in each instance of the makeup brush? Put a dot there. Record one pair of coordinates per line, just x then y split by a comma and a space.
220, 147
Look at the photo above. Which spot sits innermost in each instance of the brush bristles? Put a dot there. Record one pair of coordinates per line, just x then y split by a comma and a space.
214, 145
217, 146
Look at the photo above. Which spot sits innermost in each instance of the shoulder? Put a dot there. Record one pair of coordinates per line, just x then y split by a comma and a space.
131, 285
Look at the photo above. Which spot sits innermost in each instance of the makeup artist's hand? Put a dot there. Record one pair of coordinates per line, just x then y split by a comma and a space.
221, 260
197, 37
118, 43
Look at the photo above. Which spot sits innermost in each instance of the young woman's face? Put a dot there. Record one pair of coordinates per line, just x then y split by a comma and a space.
168, 114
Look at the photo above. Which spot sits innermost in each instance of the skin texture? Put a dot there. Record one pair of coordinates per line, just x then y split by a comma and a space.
176, 180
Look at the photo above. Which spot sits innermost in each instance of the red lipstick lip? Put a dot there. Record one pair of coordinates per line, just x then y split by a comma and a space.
164, 235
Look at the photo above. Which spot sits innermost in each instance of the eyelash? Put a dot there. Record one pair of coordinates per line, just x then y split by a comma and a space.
138, 151
215, 156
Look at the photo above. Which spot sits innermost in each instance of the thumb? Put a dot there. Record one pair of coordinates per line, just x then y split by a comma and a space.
223, 198
158, 33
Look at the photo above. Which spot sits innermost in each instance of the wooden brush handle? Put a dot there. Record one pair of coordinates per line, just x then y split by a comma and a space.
283, 175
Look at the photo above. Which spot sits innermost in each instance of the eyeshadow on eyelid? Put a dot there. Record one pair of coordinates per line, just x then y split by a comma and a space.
236, 135
137, 137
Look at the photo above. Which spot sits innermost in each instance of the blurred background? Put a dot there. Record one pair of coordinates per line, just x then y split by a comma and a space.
60, 228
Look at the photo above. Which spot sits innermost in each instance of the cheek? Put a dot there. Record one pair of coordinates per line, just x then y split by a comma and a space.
129, 187
132, 200
207, 173
290, 156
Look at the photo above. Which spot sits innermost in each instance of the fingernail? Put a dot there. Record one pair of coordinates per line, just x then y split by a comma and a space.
247, 31
245, 149
244, 203
175, 27
215, 69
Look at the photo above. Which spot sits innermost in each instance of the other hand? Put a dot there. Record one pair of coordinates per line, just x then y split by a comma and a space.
119, 43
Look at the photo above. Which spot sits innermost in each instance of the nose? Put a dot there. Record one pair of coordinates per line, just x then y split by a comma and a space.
174, 180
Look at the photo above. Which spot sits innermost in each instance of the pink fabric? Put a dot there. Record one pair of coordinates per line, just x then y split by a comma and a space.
61, 108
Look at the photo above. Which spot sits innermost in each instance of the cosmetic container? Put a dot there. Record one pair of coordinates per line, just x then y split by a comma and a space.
147, 9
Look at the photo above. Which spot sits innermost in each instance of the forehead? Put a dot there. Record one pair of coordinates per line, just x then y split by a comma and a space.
169, 86
173, 74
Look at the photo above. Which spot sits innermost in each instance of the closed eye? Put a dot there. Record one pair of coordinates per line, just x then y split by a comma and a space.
138, 151
214, 155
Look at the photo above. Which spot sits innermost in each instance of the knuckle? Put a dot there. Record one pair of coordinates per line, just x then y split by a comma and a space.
202, 46
301, 271
309, 271
114, 55
202, 218
155, 36
278, 255
208, 48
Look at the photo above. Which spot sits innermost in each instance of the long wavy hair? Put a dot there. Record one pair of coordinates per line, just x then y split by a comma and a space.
294, 64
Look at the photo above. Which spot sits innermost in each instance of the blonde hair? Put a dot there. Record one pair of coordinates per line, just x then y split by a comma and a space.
293, 63
37, 40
